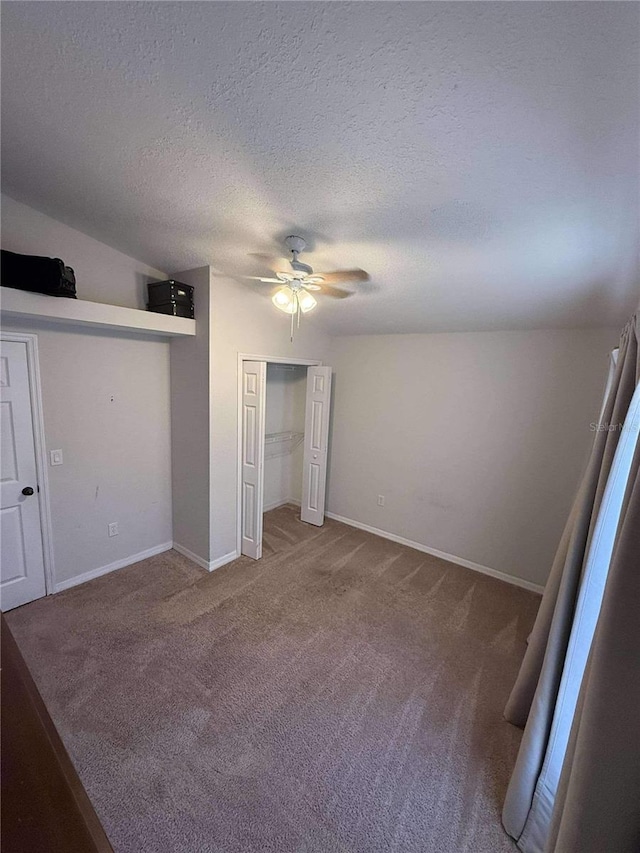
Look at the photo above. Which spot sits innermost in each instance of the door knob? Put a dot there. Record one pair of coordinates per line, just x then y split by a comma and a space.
27, 491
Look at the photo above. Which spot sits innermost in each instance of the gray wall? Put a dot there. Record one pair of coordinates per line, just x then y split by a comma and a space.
102, 273
243, 323
117, 462
191, 424
476, 440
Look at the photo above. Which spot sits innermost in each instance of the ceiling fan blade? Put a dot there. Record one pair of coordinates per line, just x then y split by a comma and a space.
345, 276
261, 278
311, 286
335, 292
272, 261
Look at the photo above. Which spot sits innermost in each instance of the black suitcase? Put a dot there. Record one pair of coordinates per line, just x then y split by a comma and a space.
176, 309
161, 292
37, 274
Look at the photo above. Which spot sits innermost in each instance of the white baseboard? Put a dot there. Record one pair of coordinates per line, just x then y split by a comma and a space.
273, 505
222, 561
460, 561
200, 561
209, 565
277, 504
111, 567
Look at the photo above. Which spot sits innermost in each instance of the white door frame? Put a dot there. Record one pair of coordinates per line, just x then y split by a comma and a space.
35, 395
270, 359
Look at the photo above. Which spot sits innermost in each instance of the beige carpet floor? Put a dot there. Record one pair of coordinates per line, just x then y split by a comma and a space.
342, 695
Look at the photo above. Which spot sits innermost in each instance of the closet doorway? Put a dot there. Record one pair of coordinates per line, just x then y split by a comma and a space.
284, 409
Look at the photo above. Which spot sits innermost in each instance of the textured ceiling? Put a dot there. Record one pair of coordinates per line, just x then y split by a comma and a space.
480, 160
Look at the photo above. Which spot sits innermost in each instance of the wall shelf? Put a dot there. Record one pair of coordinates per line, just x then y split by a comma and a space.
281, 443
22, 305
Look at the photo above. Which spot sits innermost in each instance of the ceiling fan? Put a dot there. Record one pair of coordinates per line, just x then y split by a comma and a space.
294, 294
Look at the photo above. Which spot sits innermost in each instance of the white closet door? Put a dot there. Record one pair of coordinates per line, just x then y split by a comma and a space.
316, 437
254, 375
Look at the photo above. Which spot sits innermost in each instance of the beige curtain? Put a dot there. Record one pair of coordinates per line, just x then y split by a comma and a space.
597, 803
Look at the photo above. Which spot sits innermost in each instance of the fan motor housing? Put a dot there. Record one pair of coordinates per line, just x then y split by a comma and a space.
295, 244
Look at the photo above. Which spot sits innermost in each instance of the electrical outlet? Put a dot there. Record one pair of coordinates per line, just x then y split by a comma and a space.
380, 500
113, 528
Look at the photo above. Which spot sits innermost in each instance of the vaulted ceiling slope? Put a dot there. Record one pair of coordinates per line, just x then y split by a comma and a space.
480, 160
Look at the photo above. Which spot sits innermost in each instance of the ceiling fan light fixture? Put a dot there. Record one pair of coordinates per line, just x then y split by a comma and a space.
293, 296
284, 300
289, 300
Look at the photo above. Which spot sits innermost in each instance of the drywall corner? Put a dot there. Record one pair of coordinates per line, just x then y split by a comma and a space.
191, 423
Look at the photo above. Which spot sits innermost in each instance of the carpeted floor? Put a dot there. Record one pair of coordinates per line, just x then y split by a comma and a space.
342, 695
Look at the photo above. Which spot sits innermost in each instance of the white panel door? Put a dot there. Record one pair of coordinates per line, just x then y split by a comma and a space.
254, 377
21, 558
316, 437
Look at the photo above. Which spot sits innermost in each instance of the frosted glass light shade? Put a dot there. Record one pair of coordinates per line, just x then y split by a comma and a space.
307, 302
285, 300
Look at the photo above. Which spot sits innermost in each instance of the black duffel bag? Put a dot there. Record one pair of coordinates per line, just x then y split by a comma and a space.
39, 275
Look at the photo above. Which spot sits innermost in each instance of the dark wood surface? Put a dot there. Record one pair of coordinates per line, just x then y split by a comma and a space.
45, 809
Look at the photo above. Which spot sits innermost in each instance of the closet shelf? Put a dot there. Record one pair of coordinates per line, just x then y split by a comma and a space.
281, 443
25, 305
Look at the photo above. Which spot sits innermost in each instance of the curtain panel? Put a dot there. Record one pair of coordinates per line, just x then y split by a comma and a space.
575, 787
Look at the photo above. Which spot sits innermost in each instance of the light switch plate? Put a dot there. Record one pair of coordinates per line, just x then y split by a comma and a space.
56, 457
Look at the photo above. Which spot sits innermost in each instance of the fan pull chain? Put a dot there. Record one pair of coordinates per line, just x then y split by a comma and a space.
295, 314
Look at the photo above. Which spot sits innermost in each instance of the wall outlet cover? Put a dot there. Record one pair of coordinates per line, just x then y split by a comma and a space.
113, 528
